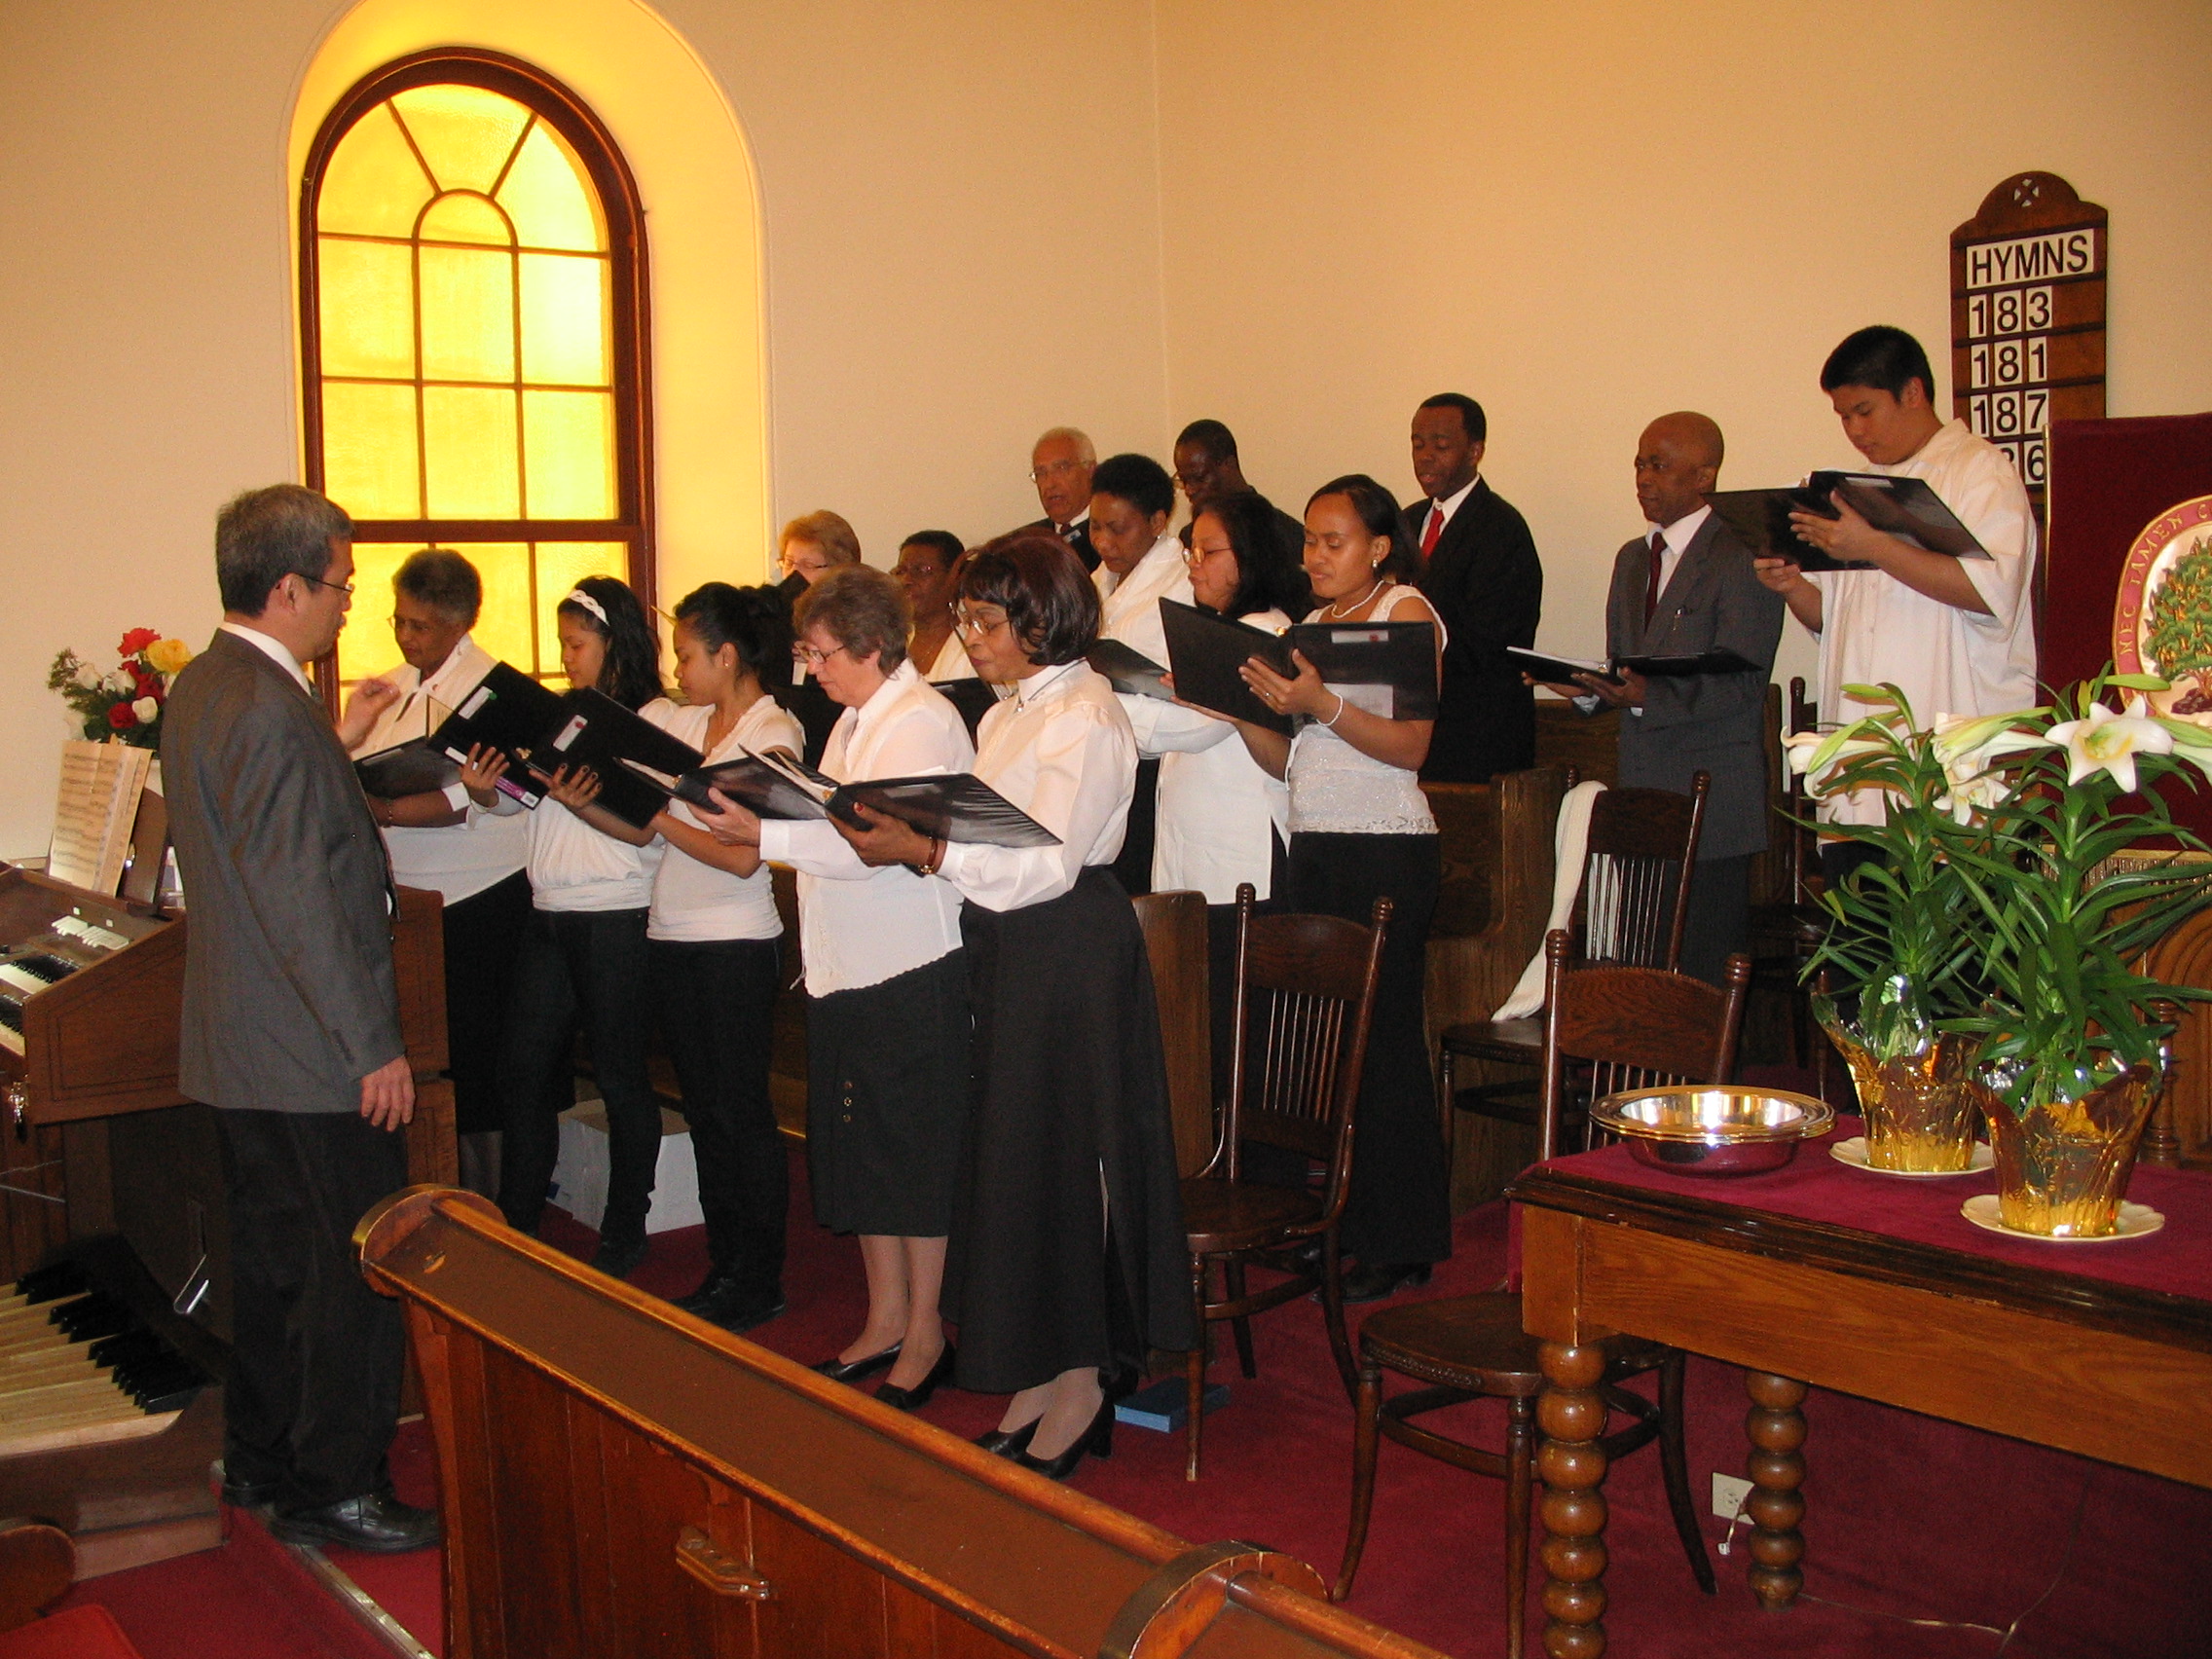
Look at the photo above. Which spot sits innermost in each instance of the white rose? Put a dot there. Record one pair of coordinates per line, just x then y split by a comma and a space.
120, 684
87, 677
147, 710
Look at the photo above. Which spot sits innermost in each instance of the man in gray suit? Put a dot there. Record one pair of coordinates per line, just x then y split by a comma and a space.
1684, 588
291, 1028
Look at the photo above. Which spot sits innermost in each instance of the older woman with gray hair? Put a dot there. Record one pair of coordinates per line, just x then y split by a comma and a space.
439, 841
810, 547
886, 982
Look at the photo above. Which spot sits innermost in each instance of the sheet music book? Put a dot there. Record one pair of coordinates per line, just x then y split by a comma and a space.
94, 812
1130, 671
1559, 670
1717, 661
773, 784
1204, 651
597, 731
1904, 507
510, 712
955, 806
1387, 668
418, 766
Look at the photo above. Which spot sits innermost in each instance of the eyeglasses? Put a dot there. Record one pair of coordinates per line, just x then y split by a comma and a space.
1197, 556
1053, 470
967, 623
345, 588
812, 658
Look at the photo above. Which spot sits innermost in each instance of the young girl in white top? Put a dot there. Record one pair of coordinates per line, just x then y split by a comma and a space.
1360, 829
582, 959
887, 1026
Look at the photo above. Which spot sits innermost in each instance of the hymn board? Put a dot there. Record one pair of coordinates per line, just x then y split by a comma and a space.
2028, 318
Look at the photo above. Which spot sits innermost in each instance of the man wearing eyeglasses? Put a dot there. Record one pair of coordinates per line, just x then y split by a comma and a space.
290, 1029
1060, 466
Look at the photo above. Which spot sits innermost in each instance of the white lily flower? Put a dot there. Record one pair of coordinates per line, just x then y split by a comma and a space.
1984, 737
2105, 741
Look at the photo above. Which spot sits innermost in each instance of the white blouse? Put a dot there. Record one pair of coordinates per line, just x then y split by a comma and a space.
951, 664
1219, 808
861, 926
572, 866
1061, 749
1130, 606
695, 902
1335, 788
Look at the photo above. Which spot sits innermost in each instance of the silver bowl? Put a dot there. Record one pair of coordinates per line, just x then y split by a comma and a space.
1713, 1128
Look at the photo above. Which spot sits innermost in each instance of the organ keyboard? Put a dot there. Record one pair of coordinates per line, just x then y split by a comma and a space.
78, 1366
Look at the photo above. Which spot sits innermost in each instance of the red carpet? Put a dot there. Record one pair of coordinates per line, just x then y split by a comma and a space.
1909, 1518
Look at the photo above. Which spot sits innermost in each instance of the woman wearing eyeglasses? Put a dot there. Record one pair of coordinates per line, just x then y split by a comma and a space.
811, 546
1066, 1255
887, 1026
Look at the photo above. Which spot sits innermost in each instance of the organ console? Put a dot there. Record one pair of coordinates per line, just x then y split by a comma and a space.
115, 1339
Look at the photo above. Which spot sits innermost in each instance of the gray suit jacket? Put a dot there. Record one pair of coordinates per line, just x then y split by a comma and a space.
289, 997
1713, 723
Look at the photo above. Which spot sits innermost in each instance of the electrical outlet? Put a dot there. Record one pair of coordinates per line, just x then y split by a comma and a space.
1729, 1494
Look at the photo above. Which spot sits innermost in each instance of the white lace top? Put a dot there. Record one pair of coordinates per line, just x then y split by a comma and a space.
1337, 791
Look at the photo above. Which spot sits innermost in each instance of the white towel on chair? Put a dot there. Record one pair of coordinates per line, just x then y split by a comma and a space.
1571, 842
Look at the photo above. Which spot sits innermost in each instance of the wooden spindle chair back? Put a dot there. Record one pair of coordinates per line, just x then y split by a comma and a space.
1643, 853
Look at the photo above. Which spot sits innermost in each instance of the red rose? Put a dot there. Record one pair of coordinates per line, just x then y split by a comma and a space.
120, 717
138, 640
149, 682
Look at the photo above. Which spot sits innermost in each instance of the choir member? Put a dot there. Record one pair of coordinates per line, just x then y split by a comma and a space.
1066, 1256
928, 569
442, 842
582, 959
810, 547
1140, 564
887, 988
1360, 829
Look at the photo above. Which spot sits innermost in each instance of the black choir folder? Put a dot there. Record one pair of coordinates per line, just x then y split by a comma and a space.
510, 712
1561, 671
1387, 668
1904, 507
617, 744
418, 767
954, 806
1131, 672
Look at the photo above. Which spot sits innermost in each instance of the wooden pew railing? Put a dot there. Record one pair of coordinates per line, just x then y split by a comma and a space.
1490, 921
619, 1479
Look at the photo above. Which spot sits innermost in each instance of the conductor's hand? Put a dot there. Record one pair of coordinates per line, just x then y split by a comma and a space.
1302, 695
729, 821
370, 699
573, 788
387, 1095
884, 839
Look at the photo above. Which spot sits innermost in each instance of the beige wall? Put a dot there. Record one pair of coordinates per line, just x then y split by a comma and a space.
973, 228
1588, 212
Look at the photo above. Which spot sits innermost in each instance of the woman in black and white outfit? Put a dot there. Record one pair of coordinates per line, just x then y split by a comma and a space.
1066, 1259
887, 1024
1360, 829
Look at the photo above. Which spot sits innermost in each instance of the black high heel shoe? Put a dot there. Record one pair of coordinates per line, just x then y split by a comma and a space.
1097, 1440
1009, 1441
852, 1370
912, 1399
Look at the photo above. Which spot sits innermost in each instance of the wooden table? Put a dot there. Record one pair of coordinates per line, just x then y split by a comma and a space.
1988, 1336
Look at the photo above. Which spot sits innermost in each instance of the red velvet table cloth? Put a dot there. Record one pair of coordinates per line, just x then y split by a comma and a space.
1813, 1186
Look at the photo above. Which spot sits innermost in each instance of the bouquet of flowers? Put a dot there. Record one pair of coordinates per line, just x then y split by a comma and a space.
123, 705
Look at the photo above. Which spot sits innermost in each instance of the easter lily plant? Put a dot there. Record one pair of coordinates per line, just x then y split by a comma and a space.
1996, 910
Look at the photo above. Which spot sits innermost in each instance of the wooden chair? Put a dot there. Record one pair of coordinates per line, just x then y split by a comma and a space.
1788, 929
1633, 1027
1318, 975
1174, 927
1632, 908
37, 1566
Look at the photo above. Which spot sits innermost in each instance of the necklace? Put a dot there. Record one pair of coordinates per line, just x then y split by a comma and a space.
1337, 612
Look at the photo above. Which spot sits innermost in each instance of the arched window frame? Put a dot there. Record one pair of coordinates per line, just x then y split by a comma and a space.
588, 137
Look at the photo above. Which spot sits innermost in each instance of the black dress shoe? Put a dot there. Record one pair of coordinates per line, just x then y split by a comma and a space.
1385, 1279
708, 1289
1097, 1440
738, 1307
251, 1495
852, 1370
1009, 1441
618, 1258
912, 1399
376, 1520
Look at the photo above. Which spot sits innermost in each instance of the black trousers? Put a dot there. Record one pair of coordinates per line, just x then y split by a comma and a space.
483, 935
587, 967
1400, 1207
1719, 922
315, 1354
1132, 864
716, 999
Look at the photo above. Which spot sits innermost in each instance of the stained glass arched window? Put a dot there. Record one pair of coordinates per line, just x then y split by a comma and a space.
473, 273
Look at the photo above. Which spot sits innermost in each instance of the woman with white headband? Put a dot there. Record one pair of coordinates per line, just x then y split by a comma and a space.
583, 958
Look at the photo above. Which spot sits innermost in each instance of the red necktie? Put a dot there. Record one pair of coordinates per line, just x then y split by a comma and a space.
1652, 587
1432, 530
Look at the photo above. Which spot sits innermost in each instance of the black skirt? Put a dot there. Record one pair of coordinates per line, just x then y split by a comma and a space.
887, 1100
1067, 1245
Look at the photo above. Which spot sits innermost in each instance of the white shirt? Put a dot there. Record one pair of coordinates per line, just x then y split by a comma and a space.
695, 901
1675, 539
1449, 506
1130, 606
861, 926
1946, 661
458, 861
1219, 808
951, 664
574, 867
1061, 749
271, 649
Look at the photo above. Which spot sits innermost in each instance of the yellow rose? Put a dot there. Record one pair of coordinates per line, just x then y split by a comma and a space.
166, 656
